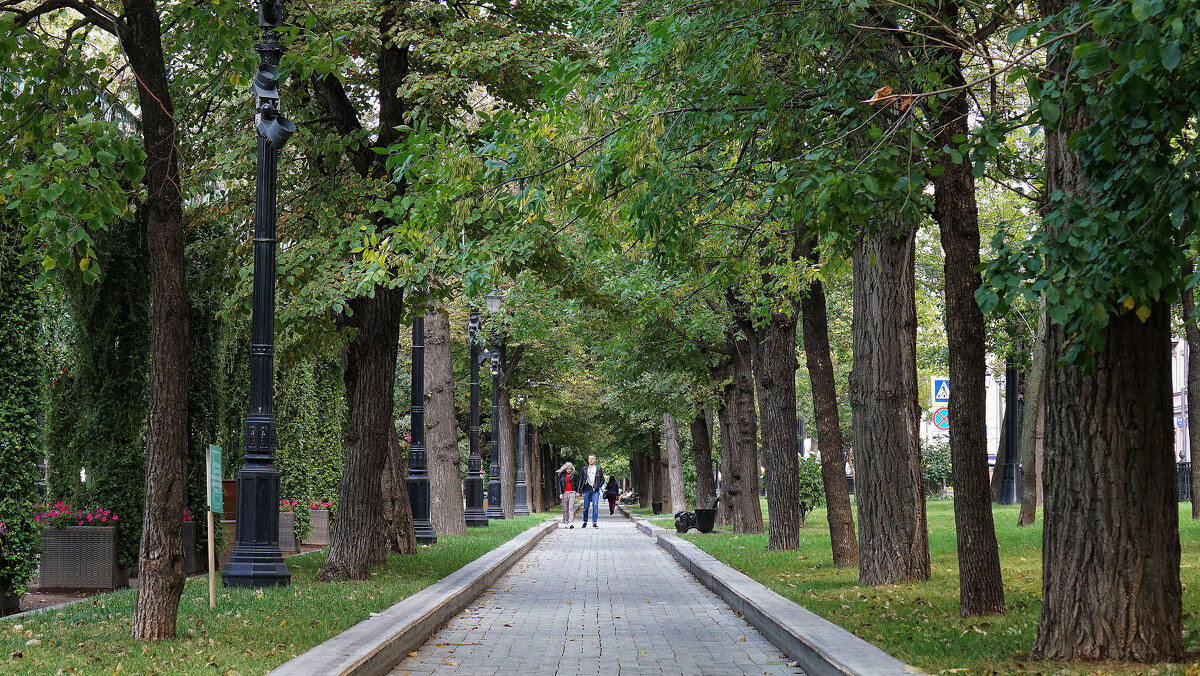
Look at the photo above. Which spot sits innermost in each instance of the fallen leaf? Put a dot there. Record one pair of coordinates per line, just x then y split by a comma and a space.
742, 638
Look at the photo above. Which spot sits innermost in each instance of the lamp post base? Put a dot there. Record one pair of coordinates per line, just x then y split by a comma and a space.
256, 566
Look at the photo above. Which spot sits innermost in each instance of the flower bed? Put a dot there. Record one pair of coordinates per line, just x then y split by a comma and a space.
320, 524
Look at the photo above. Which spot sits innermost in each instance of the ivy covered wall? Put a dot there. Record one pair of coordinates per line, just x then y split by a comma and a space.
20, 405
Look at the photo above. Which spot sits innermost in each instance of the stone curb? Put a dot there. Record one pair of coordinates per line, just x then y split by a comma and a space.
376, 645
821, 647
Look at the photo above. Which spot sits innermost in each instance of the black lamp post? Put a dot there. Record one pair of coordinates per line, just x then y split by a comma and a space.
418, 463
495, 508
521, 507
256, 561
473, 487
1010, 480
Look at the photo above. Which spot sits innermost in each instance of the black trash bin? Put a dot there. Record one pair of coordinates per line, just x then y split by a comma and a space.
705, 519
656, 507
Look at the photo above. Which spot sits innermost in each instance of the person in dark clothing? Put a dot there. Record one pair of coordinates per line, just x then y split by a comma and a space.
611, 491
591, 478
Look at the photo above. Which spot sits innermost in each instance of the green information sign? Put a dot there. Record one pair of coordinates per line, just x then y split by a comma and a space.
214, 479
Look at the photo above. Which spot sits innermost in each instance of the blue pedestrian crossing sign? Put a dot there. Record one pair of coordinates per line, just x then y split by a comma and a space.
940, 391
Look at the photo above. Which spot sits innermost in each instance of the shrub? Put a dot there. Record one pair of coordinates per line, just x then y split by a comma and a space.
812, 488
935, 465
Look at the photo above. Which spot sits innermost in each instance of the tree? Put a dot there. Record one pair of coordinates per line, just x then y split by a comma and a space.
445, 480
674, 462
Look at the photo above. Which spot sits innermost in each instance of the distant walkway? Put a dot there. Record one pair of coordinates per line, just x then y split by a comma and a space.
601, 600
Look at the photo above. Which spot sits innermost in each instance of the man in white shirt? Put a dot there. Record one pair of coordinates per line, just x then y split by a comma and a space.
590, 481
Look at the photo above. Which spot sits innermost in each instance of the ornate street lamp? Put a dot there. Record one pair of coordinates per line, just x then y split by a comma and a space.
521, 504
418, 463
256, 561
495, 509
1010, 480
473, 486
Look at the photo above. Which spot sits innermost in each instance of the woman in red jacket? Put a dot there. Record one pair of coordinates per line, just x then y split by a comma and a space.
568, 486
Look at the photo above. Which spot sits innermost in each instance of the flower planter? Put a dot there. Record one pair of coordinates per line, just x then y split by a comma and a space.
320, 528
191, 562
287, 533
9, 603
80, 557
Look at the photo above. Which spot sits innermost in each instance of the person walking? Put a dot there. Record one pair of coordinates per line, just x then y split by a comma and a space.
567, 486
611, 490
590, 481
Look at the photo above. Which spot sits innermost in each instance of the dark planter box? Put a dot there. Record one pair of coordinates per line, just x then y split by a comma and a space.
320, 528
80, 557
705, 520
287, 533
9, 603
191, 562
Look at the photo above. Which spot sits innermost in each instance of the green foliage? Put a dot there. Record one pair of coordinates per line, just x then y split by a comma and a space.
935, 464
812, 488
1127, 98
312, 416
99, 405
20, 405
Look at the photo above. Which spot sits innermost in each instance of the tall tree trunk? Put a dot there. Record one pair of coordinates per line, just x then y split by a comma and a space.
674, 462
441, 426
1110, 543
370, 394
1035, 404
1192, 333
397, 534
508, 454
706, 487
1002, 443
739, 443
655, 473
534, 471
664, 478
981, 588
160, 579
640, 469
774, 347
893, 540
828, 419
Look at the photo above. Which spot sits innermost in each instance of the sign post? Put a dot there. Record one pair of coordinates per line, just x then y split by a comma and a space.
213, 465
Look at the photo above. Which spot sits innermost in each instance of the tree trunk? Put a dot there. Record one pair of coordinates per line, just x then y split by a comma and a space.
664, 479
1035, 400
398, 535
981, 588
706, 487
533, 473
1002, 443
508, 454
829, 424
655, 472
775, 365
441, 426
739, 443
640, 469
1192, 333
674, 462
1110, 543
893, 541
160, 569
370, 394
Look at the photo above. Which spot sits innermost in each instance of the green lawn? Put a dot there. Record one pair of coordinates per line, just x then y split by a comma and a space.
250, 632
919, 623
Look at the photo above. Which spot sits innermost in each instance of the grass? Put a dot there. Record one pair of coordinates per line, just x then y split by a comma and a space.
250, 632
919, 622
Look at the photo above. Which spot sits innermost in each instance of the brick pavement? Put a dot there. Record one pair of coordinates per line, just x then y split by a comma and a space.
601, 600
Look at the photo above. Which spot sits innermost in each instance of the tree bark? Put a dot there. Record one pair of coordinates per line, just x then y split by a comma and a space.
981, 588
706, 486
1192, 334
775, 364
441, 426
398, 534
674, 462
893, 541
655, 472
828, 419
160, 568
739, 442
370, 394
534, 471
1111, 587
1031, 466
508, 454
640, 469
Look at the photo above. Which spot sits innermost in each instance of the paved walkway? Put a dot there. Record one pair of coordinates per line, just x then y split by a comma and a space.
601, 600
